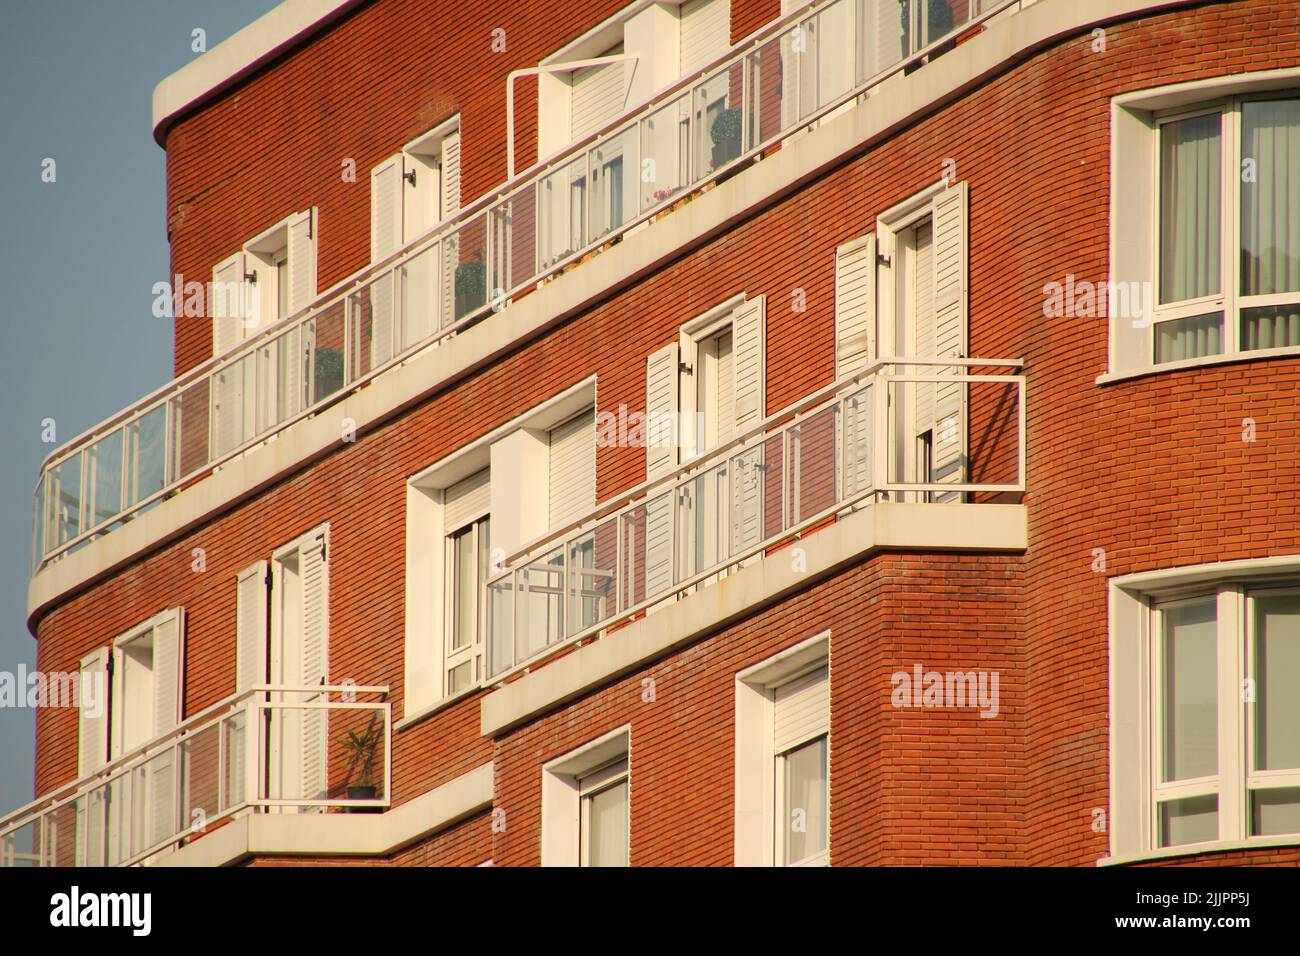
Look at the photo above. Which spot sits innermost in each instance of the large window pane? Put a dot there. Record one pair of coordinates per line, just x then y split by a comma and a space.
1190, 687
1194, 820
1189, 338
1277, 682
1270, 327
606, 820
1190, 184
805, 801
1270, 197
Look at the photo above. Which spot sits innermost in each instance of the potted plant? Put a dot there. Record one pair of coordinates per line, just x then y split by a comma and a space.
362, 750
328, 373
471, 286
725, 134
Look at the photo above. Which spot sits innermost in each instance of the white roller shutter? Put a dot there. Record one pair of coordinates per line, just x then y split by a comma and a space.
705, 33
597, 96
314, 571
802, 710
466, 501
855, 305
949, 218
573, 469
747, 343
250, 627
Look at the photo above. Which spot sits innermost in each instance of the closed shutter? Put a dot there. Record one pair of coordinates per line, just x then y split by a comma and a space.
949, 218
705, 33
661, 406
747, 338
314, 570
573, 469
168, 680
92, 729
466, 501
386, 224
597, 96
802, 710
250, 627
450, 247
228, 384
855, 305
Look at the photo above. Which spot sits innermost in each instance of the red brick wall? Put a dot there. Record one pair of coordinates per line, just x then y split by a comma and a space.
1152, 470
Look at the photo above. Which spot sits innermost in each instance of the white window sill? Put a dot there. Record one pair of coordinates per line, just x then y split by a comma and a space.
1194, 849
410, 720
1224, 359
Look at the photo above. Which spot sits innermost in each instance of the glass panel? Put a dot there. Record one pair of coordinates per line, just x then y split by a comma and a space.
606, 825
500, 625
67, 504
464, 568
328, 340
460, 677
39, 522
718, 104
1277, 682
421, 292
813, 443
1270, 199
884, 32
705, 500
539, 607
191, 427
108, 478
149, 437
771, 91
1273, 812
805, 787
1194, 820
665, 152
466, 252
1190, 722
1270, 327
591, 581
1190, 185
1189, 338
613, 178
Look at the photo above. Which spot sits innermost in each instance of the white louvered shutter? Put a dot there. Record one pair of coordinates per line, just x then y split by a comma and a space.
885, 37
386, 231
596, 97
949, 219
228, 392
573, 469
705, 33
923, 332
450, 247
168, 680
302, 259
748, 347
250, 627
467, 500
450, 175
802, 710
92, 729
855, 305
314, 571
661, 405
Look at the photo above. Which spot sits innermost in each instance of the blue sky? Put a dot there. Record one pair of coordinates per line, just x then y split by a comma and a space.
79, 256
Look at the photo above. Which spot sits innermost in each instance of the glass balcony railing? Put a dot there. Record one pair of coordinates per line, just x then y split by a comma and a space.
787, 76
268, 750
910, 430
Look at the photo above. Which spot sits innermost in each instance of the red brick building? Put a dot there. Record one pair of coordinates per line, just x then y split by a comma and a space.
700, 433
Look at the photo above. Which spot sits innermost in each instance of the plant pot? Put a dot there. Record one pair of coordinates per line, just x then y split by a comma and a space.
363, 793
471, 288
328, 373
724, 151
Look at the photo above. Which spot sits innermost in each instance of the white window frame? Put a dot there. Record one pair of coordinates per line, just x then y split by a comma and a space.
1136, 121
1136, 704
472, 653
691, 336
759, 810
569, 781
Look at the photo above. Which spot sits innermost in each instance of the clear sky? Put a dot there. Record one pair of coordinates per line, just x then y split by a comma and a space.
79, 256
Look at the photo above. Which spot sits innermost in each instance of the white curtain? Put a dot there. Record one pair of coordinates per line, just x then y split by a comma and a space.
1191, 722
805, 801
1190, 183
607, 827
1270, 220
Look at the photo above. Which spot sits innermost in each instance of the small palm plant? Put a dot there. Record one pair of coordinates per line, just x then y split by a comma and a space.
362, 750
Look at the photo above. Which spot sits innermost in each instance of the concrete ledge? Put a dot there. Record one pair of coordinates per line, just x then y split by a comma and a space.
877, 527
340, 834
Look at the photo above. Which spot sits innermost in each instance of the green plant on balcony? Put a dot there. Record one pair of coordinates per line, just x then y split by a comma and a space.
328, 373
725, 134
471, 286
362, 752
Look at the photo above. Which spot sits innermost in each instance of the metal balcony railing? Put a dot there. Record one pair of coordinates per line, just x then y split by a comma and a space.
906, 429
270, 749
787, 76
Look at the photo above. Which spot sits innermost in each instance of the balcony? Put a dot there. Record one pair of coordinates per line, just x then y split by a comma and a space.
915, 430
270, 749
697, 132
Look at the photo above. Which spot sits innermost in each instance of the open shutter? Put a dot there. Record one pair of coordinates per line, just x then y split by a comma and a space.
315, 650
661, 406
747, 337
386, 224
855, 305
92, 730
169, 670
573, 469
802, 710
250, 627
949, 218
302, 259
228, 304
449, 247
228, 392
451, 175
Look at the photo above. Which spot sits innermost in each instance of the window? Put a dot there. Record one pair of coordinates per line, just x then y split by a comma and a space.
1221, 701
586, 804
783, 758
1220, 274
468, 551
